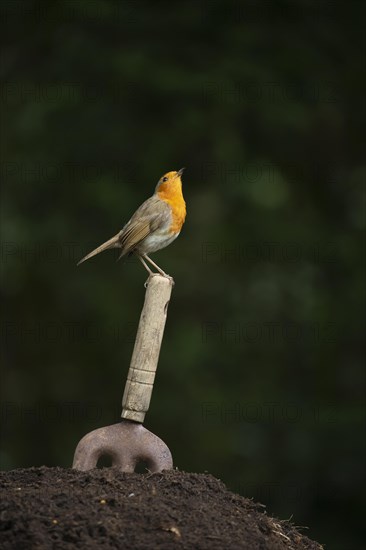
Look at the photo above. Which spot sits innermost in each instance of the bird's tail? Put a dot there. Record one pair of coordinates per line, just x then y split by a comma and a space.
112, 243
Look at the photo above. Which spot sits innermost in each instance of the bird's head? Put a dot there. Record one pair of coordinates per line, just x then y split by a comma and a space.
171, 182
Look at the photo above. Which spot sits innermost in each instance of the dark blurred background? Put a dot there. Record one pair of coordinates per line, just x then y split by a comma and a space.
260, 380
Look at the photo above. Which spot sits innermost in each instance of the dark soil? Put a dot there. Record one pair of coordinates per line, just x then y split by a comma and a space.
55, 508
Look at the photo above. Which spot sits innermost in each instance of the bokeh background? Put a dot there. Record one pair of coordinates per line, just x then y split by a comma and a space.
260, 380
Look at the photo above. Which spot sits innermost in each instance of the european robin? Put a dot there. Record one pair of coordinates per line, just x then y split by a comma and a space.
154, 225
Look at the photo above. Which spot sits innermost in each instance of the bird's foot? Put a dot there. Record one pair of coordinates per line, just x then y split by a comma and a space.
152, 274
165, 275
170, 278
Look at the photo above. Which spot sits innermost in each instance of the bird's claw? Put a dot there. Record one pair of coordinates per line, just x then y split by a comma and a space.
170, 278
152, 274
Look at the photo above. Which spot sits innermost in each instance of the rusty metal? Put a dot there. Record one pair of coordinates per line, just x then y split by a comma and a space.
127, 444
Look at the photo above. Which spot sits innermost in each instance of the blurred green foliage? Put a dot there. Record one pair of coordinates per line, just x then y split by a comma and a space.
260, 379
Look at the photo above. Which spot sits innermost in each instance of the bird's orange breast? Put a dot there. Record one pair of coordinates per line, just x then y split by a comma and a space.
173, 196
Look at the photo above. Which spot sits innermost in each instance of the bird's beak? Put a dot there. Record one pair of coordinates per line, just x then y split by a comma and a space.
180, 172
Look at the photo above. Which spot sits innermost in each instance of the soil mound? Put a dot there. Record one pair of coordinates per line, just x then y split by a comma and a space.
55, 508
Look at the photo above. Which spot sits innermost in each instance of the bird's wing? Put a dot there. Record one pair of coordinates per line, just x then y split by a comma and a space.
151, 215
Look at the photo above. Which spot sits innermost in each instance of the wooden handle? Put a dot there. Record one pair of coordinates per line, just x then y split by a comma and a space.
140, 379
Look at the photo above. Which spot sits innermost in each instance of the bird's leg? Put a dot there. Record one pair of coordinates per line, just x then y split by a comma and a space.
144, 257
156, 266
145, 264
151, 273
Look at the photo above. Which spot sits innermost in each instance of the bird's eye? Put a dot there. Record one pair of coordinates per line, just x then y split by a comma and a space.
165, 179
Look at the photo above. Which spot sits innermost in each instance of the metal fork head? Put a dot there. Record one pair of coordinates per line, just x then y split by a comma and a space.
126, 443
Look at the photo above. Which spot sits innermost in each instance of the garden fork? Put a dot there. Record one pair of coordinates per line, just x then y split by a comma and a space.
128, 443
